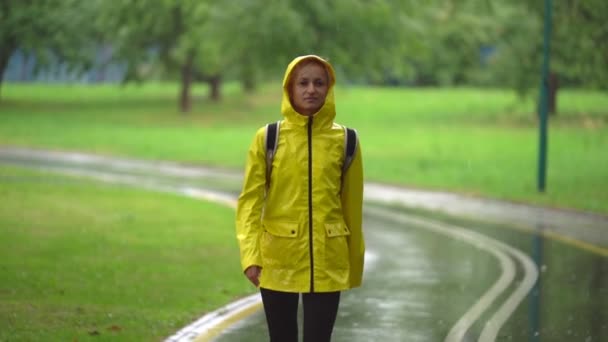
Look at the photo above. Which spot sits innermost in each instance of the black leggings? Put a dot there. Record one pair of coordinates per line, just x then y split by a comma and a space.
281, 309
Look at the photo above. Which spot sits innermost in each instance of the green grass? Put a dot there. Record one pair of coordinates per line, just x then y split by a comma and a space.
481, 142
87, 261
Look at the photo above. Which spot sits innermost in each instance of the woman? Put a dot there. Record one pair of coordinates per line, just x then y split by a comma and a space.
300, 231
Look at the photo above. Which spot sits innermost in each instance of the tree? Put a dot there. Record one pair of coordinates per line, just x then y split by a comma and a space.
451, 36
363, 39
263, 34
207, 40
515, 58
49, 29
177, 36
578, 46
578, 53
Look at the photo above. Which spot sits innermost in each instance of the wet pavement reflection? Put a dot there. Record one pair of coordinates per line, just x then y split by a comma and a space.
570, 300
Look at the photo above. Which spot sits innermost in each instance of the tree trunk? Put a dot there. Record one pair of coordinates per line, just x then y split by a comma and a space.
185, 100
249, 84
215, 82
248, 78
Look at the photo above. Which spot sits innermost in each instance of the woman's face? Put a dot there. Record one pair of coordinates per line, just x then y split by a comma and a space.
309, 88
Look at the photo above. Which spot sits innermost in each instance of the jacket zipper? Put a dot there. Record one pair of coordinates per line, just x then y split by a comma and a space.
310, 247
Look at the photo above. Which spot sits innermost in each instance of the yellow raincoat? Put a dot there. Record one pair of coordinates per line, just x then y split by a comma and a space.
305, 232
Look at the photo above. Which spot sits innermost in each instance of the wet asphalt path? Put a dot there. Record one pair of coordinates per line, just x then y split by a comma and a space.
429, 277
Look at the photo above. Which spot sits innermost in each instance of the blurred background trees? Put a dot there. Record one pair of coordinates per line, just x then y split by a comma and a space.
49, 31
380, 42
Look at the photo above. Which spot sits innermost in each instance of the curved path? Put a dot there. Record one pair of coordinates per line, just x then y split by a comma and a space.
506, 292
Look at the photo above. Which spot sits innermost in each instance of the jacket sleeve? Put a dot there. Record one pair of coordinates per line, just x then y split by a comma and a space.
352, 207
251, 202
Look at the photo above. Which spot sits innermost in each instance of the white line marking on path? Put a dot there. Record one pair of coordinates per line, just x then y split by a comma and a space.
118, 164
498, 249
490, 331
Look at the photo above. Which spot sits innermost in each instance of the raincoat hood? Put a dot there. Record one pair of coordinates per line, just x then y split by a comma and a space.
325, 116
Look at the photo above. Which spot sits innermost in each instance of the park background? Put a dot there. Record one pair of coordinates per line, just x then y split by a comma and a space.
444, 95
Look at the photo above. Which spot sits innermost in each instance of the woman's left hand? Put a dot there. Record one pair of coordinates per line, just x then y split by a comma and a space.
253, 274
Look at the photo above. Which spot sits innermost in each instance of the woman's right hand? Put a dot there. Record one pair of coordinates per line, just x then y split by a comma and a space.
253, 274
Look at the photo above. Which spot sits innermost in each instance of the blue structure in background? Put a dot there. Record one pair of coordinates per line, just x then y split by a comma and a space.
22, 68
485, 53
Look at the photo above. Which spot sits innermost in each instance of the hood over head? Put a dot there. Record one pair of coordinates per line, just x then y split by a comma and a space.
325, 116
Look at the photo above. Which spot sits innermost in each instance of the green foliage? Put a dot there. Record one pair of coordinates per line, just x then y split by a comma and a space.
578, 53
153, 31
362, 37
517, 41
50, 30
579, 46
373, 42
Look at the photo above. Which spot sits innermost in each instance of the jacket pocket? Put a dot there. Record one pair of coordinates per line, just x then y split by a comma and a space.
336, 229
336, 245
280, 246
282, 229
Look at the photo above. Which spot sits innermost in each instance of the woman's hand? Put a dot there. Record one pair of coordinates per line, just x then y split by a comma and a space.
253, 274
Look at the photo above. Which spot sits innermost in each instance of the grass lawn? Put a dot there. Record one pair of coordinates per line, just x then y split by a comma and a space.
84, 261
481, 142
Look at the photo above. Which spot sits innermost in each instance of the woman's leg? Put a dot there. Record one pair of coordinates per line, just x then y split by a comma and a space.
281, 309
320, 310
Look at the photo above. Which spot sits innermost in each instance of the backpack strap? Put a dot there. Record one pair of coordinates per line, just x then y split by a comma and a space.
272, 141
350, 147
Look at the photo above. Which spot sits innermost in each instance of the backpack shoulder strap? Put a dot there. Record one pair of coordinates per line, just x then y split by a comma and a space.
350, 147
271, 142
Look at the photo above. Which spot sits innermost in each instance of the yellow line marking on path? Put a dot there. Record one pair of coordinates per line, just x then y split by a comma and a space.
562, 238
220, 328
